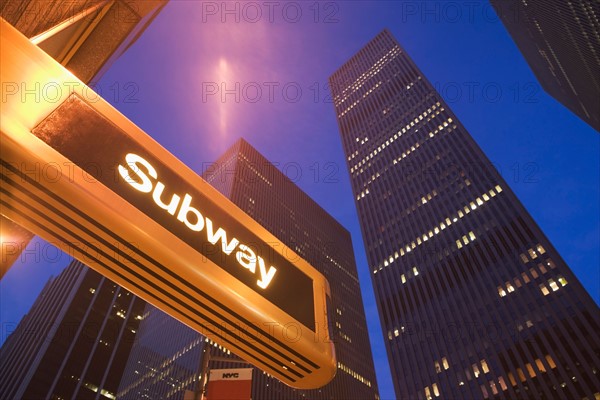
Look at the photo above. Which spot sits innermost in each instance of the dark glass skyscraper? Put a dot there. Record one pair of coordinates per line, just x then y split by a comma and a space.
474, 300
158, 370
74, 342
561, 42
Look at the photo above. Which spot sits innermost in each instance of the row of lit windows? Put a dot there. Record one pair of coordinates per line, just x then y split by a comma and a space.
362, 194
367, 93
361, 141
372, 71
473, 205
337, 264
431, 391
443, 363
397, 135
350, 107
520, 374
354, 374
396, 332
532, 253
251, 167
476, 371
103, 392
534, 271
465, 239
414, 147
552, 285
345, 337
482, 368
423, 200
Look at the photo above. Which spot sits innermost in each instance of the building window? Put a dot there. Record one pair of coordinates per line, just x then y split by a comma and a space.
562, 280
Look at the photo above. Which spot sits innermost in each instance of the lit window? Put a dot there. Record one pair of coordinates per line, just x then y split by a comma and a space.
501, 291
530, 370
540, 365
436, 392
532, 254
533, 273
544, 289
438, 368
445, 363
524, 258
509, 287
415, 271
540, 249
518, 282
479, 201
543, 269
92, 290
525, 277
484, 367
476, 370
472, 235
562, 280
459, 244
550, 361
498, 189
553, 285
403, 277
502, 383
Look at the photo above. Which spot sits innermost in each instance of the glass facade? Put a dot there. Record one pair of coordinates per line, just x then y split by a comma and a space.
474, 301
266, 194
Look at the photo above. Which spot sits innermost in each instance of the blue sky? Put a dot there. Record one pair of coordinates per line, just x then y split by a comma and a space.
202, 76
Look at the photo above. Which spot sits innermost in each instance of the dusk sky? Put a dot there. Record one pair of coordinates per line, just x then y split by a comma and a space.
274, 59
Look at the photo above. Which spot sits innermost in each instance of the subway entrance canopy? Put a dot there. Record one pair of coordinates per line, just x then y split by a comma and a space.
79, 174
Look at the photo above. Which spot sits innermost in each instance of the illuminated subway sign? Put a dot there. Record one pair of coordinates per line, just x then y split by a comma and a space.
139, 216
112, 157
244, 255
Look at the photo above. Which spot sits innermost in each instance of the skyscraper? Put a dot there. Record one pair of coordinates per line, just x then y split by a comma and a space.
74, 341
266, 194
474, 300
561, 43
